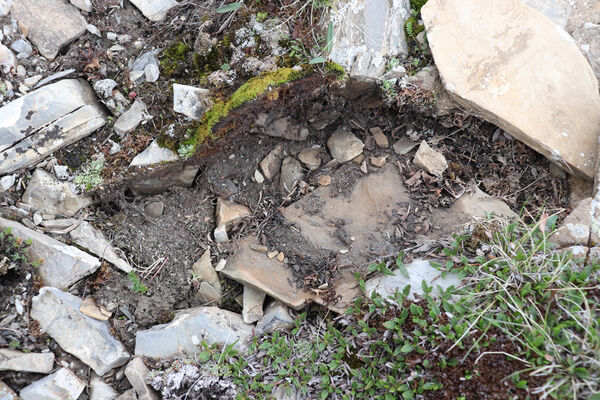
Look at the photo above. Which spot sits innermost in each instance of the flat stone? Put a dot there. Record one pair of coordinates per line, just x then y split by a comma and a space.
8, 61
154, 10
575, 229
49, 24
61, 385
92, 239
6, 393
310, 157
271, 164
430, 160
189, 328
284, 128
367, 33
62, 265
253, 301
276, 318
131, 118
47, 195
190, 101
155, 209
344, 146
100, 390
128, 395
13, 360
136, 373
380, 139
204, 271
181, 177
58, 224
208, 294
229, 213
291, 174
46, 120
154, 154
588, 41
524, 86
85, 5
404, 145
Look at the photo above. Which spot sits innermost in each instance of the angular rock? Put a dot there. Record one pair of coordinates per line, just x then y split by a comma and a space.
13, 360
89, 308
588, 40
380, 138
403, 146
154, 10
62, 265
131, 118
61, 385
430, 160
181, 177
229, 213
128, 395
190, 101
151, 73
49, 196
204, 271
88, 339
189, 328
136, 373
271, 164
92, 239
22, 47
208, 294
154, 154
276, 318
154, 209
6, 393
524, 86
49, 24
105, 87
253, 301
310, 157
100, 390
378, 162
8, 61
46, 120
344, 146
6, 182
85, 5
58, 224
575, 229
291, 174
285, 129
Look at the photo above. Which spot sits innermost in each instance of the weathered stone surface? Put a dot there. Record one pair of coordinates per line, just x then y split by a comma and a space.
5, 6
189, 328
62, 265
154, 154
276, 317
89, 308
208, 294
380, 138
49, 24
85, 5
46, 120
8, 61
518, 72
13, 360
367, 33
204, 271
229, 213
190, 101
582, 12
310, 157
575, 229
136, 373
183, 177
61, 385
291, 174
404, 145
271, 164
128, 395
131, 118
154, 10
252, 304
88, 339
92, 239
154, 209
430, 160
47, 195
344, 146
100, 390
284, 128
6, 393
588, 40
557, 10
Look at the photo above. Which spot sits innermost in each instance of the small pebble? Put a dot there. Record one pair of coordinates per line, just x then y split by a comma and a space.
343, 251
258, 177
272, 254
324, 180
220, 265
280, 256
259, 248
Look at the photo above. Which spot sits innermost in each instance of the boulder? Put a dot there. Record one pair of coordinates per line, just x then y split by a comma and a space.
5, 6
61, 385
13, 360
190, 101
154, 10
520, 71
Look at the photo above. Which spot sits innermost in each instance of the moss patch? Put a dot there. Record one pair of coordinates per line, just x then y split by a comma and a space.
173, 58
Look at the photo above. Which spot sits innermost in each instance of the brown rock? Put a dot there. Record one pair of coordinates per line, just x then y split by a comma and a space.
430, 160
89, 308
380, 138
229, 213
378, 161
324, 180
575, 229
271, 164
344, 146
310, 157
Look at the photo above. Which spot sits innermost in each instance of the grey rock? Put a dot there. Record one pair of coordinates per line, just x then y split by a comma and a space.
22, 47
61, 385
253, 301
37, 219
5, 6
93, 29
6, 393
13, 360
285, 129
128, 395
88, 339
154, 209
344, 146
557, 10
208, 294
56, 76
190, 101
276, 317
136, 373
138, 68
61, 172
154, 154
575, 229
403, 146
8, 61
46, 120
182, 177
50, 24
58, 224
131, 118
291, 174
100, 390
6, 182
62, 265
380, 138
430, 160
189, 328
204, 271
310, 157
85, 5
154, 10
112, 36
105, 87
49, 196
92, 239
151, 72
271, 164
220, 234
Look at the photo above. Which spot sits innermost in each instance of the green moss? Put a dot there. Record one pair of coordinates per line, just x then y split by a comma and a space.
336, 68
218, 55
172, 59
417, 4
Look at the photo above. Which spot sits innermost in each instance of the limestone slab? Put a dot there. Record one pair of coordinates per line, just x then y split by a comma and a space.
190, 101
13, 360
61, 385
92, 239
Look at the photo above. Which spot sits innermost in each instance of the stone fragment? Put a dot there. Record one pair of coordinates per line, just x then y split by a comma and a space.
151, 73
284, 128
204, 271
291, 174
575, 229
588, 41
89, 340
190, 101
6, 182
88, 307
138, 68
324, 180
271, 254
128, 395
136, 373
378, 162
181, 177
58, 224
46, 120
62, 265
403, 146
131, 118
271, 164
92, 239
6, 393
430, 160
220, 234
310, 157
513, 82
252, 304
61, 385
154, 154
8, 61
380, 138
208, 294
105, 87
13, 360
22, 47
229, 213
49, 24
276, 318
100, 390
5, 6
258, 177
154, 10
155, 209
189, 328
344, 146
85, 5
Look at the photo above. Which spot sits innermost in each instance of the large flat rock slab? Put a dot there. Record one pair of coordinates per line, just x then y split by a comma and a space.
519, 70
46, 120
49, 24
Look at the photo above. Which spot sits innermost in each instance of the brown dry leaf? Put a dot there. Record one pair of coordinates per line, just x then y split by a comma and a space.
543, 219
95, 64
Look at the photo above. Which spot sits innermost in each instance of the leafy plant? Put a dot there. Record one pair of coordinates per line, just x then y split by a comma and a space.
12, 251
89, 177
185, 151
229, 7
136, 284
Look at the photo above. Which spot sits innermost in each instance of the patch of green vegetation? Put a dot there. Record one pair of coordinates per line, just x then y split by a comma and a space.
136, 284
417, 4
12, 251
89, 177
336, 69
172, 59
218, 55
412, 27
185, 151
14, 344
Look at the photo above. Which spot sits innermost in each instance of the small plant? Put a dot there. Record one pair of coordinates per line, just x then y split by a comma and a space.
389, 89
185, 151
261, 16
12, 251
136, 284
14, 344
89, 177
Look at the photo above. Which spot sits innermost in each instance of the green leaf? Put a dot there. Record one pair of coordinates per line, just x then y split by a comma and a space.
401, 265
229, 7
317, 60
329, 44
203, 357
407, 348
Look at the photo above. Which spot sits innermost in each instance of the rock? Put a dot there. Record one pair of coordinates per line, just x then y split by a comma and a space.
61, 172
252, 304
100, 390
128, 395
588, 40
5, 6
271, 164
89, 308
575, 229
54, 77
22, 47
380, 138
58, 224
418, 271
136, 373
49, 196
276, 318
220, 234
430, 160
105, 87
151, 72
154, 10
92, 239
62, 265
6, 182
61, 385
154, 209
131, 118
8, 61
154, 154
138, 68
344, 146
204, 271
85, 5
208, 294
13, 360
6, 393
310, 157
258, 177
89, 340
285, 129
189, 328
514, 83
190, 101
403, 146
229, 213
46, 120
181, 177
378, 162
367, 33
49, 24
291, 174
324, 180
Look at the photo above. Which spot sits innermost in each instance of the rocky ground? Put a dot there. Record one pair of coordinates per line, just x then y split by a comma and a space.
180, 179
